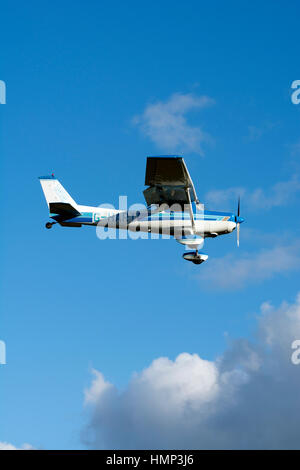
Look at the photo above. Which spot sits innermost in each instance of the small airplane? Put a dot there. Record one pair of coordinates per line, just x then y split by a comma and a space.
172, 207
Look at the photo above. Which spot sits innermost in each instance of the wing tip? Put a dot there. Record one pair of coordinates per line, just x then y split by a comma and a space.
164, 156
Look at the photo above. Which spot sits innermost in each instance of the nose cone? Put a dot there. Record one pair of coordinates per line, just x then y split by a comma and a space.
239, 220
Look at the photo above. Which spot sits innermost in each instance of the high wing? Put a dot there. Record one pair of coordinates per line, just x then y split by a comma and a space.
169, 182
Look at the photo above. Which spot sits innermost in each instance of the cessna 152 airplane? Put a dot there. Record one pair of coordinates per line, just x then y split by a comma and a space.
172, 208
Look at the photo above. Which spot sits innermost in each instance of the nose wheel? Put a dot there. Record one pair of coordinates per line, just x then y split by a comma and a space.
195, 257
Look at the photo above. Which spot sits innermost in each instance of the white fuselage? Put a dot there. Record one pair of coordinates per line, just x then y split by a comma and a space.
157, 222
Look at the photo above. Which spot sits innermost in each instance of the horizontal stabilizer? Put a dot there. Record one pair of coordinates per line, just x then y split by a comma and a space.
64, 209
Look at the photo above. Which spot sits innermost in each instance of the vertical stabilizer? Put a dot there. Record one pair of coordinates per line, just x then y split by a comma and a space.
54, 192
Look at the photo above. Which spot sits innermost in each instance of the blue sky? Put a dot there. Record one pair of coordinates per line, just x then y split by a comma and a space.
81, 81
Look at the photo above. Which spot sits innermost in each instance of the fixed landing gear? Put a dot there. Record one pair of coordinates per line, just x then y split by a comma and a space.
49, 224
195, 257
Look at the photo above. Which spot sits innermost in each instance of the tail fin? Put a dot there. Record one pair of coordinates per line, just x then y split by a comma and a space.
56, 195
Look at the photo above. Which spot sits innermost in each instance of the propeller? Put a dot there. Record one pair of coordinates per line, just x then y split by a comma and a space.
238, 221
238, 235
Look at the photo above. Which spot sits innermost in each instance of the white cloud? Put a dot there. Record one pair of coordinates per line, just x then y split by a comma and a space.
235, 271
254, 236
97, 389
258, 199
256, 132
166, 125
224, 198
279, 195
8, 446
248, 398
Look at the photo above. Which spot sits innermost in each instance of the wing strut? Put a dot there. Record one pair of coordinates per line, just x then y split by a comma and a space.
191, 211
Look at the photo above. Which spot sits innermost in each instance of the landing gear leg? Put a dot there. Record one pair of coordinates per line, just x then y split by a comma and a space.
197, 259
49, 224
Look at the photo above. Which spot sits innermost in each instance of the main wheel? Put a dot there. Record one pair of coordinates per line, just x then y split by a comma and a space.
48, 225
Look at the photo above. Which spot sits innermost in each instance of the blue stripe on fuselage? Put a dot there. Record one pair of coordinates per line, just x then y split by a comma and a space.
206, 215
